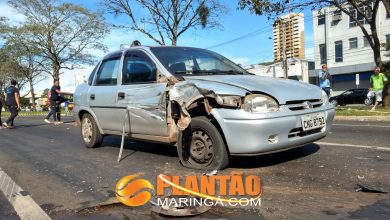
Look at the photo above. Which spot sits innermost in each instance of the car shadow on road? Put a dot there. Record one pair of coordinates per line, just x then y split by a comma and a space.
247, 162
139, 146
244, 162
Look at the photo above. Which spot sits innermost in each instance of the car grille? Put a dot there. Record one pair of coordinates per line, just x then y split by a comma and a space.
299, 132
303, 104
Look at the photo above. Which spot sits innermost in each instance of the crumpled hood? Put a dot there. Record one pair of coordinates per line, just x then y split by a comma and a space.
281, 89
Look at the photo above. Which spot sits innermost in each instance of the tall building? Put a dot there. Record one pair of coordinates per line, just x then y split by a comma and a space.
289, 36
340, 43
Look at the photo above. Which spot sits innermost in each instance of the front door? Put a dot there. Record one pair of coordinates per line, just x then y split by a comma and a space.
143, 95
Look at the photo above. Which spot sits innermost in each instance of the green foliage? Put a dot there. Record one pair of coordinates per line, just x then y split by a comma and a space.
64, 32
45, 93
267, 63
24, 102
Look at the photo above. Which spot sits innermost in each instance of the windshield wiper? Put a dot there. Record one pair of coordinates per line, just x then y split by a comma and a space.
195, 72
210, 72
233, 72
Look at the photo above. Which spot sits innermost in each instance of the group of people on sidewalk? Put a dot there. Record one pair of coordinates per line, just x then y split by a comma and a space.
377, 84
12, 101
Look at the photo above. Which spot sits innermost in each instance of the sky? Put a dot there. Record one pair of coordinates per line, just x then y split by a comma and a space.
256, 48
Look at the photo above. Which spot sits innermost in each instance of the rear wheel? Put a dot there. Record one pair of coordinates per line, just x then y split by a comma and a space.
368, 101
334, 102
201, 146
90, 132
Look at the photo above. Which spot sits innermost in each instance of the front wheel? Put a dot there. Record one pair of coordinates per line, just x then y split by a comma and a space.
90, 132
201, 146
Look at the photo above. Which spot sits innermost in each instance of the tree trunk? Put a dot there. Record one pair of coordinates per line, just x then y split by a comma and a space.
174, 41
56, 71
30, 80
386, 95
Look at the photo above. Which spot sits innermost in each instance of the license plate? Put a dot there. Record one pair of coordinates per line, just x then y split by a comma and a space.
313, 121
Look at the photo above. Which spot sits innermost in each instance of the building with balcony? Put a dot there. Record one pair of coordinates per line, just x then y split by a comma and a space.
289, 37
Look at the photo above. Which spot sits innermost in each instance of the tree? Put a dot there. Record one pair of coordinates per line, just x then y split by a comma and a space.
66, 33
167, 19
9, 68
45, 93
25, 58
367, 10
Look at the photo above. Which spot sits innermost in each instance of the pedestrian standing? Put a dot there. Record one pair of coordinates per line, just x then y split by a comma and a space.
55, 102
325, 79
1, 102
13, 103
377, 83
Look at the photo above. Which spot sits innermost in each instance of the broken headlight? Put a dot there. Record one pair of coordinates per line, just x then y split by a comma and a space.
258, 103
228, 100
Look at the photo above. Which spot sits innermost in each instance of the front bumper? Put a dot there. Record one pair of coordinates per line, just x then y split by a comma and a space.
250, 134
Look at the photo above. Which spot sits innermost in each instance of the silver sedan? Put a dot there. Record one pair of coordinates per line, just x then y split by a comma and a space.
200, 102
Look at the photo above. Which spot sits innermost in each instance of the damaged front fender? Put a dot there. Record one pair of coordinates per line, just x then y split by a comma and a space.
188, 95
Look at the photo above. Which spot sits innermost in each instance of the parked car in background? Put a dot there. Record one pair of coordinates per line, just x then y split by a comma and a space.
352, 96
199, 101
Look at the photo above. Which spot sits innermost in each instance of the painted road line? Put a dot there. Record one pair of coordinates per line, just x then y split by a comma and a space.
351, 125
23, 204
354, 145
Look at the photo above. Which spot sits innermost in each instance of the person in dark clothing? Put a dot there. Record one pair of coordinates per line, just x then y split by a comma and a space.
13, 103
55, 101
1, 102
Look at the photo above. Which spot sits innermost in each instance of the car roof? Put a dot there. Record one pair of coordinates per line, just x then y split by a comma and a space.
118, 53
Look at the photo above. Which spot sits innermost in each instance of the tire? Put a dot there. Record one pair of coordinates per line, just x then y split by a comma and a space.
368, 101
201, 146
90, 132
334, 102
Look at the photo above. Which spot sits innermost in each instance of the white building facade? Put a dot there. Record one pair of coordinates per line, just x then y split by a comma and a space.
340, 43
298, 69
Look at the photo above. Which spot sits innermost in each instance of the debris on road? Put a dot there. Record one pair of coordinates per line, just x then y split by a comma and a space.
178, 211
211, 173
371, 189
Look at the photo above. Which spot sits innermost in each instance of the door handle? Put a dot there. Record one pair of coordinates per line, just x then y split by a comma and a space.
92, 96
121, 95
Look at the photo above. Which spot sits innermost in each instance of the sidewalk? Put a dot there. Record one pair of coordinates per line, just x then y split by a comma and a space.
363, 118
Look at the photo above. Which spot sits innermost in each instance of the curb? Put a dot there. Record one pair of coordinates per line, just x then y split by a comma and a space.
363, 118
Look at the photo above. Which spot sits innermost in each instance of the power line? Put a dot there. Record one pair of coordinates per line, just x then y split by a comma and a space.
260, 31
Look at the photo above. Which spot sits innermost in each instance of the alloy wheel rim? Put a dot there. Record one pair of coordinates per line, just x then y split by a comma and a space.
87, 130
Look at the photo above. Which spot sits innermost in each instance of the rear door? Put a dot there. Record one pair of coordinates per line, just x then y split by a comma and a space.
360, 96
102, 94
346, 97
143, 94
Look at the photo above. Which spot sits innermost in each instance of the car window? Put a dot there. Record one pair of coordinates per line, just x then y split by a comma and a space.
108, 72
194, 61
92, 75
138, 68
349, 92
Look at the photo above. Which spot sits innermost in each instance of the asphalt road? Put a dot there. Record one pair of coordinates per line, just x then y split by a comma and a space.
316, 181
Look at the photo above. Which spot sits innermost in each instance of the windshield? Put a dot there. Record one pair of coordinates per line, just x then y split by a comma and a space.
194, 61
